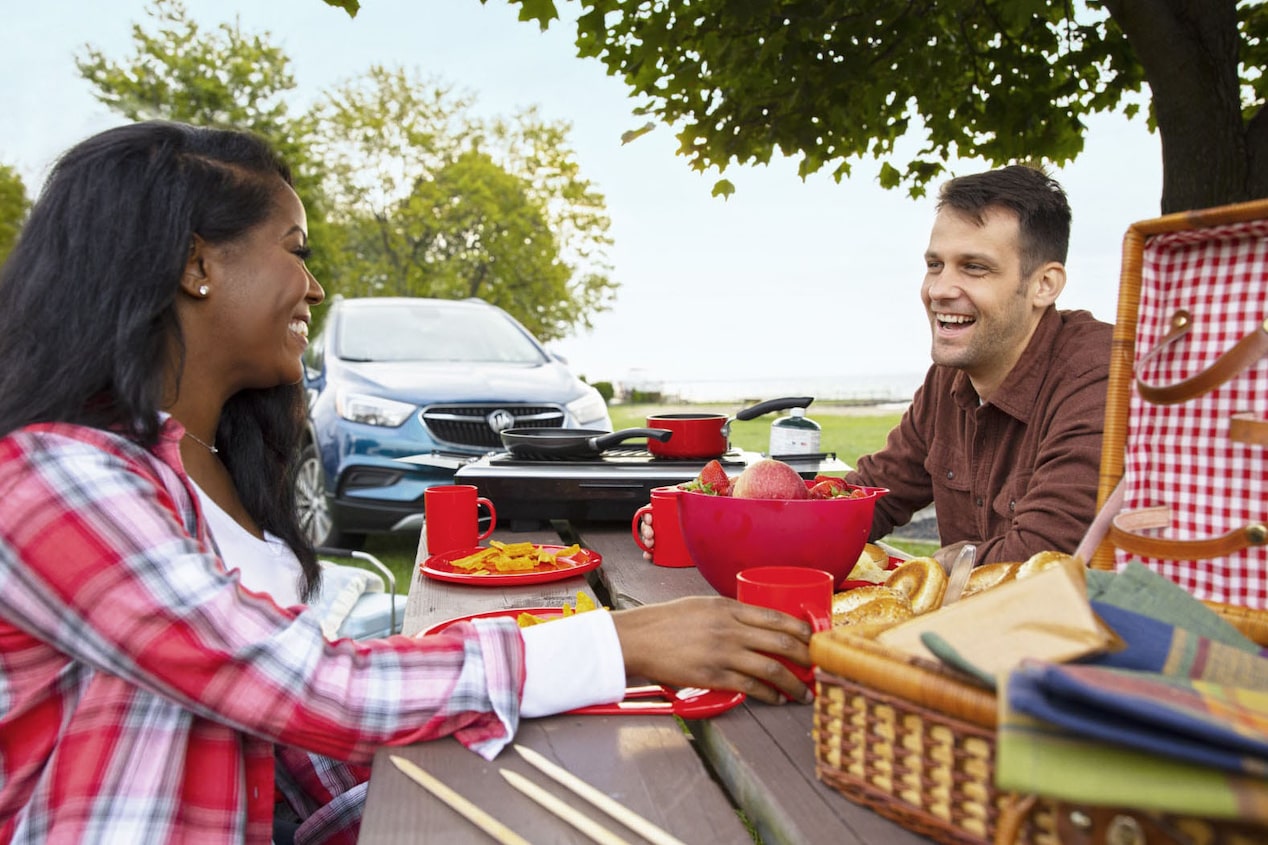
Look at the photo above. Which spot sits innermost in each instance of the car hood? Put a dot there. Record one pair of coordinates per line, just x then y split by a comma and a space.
458, 382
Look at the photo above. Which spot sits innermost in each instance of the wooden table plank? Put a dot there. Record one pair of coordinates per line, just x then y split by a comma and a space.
763, 754
643, 762
646, 762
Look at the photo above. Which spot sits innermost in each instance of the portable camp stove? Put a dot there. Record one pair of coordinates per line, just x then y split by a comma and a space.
608, 486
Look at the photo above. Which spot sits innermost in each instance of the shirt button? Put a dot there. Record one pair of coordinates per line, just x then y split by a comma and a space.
979, 501
1012, 505
950, 474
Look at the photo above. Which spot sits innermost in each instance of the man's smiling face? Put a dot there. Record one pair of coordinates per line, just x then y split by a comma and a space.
981, 311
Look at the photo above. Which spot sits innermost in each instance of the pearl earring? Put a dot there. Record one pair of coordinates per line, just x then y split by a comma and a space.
203, 290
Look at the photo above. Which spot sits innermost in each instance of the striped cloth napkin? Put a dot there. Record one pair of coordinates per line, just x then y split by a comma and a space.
1175, 722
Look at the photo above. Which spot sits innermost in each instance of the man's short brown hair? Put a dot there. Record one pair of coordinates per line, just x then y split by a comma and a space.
1043, 213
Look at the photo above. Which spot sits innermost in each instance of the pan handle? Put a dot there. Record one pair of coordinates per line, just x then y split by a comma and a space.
755, 411
600, 442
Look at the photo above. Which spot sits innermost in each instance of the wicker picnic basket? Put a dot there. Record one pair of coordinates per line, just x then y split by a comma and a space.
915, 743
1210, 237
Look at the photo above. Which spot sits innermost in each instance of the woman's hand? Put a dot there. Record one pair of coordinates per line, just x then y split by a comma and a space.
716, 643
648, 534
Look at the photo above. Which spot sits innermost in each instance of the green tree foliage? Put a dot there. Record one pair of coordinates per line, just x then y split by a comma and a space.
406, 191
834, 81
434, 201
13, 207
213, 77
217, 77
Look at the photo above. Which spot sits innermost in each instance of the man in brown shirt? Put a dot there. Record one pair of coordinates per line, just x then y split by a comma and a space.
1004, 436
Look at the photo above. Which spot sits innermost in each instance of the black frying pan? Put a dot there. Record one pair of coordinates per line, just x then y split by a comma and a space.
572, 442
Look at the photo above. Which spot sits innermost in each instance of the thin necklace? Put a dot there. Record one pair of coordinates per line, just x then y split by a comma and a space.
203, 443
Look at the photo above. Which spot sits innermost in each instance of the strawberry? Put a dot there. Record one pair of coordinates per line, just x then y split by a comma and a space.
823, 490
830, 487
832, 480
714, 479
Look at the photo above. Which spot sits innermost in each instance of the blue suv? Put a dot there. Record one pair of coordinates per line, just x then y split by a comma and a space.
392, 377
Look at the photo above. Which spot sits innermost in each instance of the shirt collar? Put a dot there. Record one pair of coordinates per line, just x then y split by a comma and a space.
1018, 394
168, 447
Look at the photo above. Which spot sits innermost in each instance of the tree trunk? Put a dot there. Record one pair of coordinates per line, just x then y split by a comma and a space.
1189, 50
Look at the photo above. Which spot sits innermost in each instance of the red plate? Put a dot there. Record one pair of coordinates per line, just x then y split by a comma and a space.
654, 698
513, 612
440, 567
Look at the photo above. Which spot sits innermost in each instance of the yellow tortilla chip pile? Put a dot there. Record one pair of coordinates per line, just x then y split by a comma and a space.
584, 603
511, 557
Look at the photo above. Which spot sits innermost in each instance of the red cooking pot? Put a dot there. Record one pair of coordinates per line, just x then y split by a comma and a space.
707, 435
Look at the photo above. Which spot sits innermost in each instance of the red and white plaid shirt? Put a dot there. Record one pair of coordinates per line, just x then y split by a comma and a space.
143, 690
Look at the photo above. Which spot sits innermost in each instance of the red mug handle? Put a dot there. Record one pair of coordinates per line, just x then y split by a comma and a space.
634, 527
818, 621
493, 516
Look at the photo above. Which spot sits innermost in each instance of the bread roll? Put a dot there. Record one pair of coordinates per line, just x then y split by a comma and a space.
848, 600
872, 565
1040, 561
885, 609
989, 575
922, 580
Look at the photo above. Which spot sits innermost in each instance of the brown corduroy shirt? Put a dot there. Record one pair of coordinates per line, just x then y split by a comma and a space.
1016, 475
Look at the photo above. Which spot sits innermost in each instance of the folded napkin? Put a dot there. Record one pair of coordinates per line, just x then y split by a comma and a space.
1198, 721
1039, 756
1141, 590
1177, 721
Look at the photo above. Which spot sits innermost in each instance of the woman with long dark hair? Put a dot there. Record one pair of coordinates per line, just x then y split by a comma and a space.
152, 319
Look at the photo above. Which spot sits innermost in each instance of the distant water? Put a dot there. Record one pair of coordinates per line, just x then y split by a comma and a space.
876, 388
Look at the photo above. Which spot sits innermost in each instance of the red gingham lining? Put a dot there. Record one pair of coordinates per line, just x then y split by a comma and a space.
1180, 455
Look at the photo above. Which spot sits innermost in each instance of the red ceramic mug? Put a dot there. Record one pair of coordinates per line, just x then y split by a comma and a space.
795, 590
669, 549
451, 514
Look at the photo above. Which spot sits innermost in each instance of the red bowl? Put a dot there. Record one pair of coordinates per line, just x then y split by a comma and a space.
725, 535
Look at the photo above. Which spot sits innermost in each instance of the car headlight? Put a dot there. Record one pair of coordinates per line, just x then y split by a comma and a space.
372, 410
589, 407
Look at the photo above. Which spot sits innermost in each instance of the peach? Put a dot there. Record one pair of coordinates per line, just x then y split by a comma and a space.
769, 479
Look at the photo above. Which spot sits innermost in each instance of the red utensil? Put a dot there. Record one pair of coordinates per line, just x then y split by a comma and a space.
689, 702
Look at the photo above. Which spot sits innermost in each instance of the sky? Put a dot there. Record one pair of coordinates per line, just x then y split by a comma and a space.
787, 279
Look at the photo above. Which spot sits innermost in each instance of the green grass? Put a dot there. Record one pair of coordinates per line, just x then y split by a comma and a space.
848, 435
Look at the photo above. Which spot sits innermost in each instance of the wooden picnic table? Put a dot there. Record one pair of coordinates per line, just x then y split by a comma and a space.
756, 758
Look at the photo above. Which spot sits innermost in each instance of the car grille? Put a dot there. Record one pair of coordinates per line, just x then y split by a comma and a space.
468, 425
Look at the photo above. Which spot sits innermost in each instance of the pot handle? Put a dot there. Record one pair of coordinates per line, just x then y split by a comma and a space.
755, 411
601, 442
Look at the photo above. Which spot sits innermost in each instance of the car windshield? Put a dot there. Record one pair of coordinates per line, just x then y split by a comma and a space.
433, 332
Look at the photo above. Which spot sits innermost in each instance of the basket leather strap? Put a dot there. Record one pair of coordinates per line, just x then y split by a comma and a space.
1126, 526
1232, 363
1247, 428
